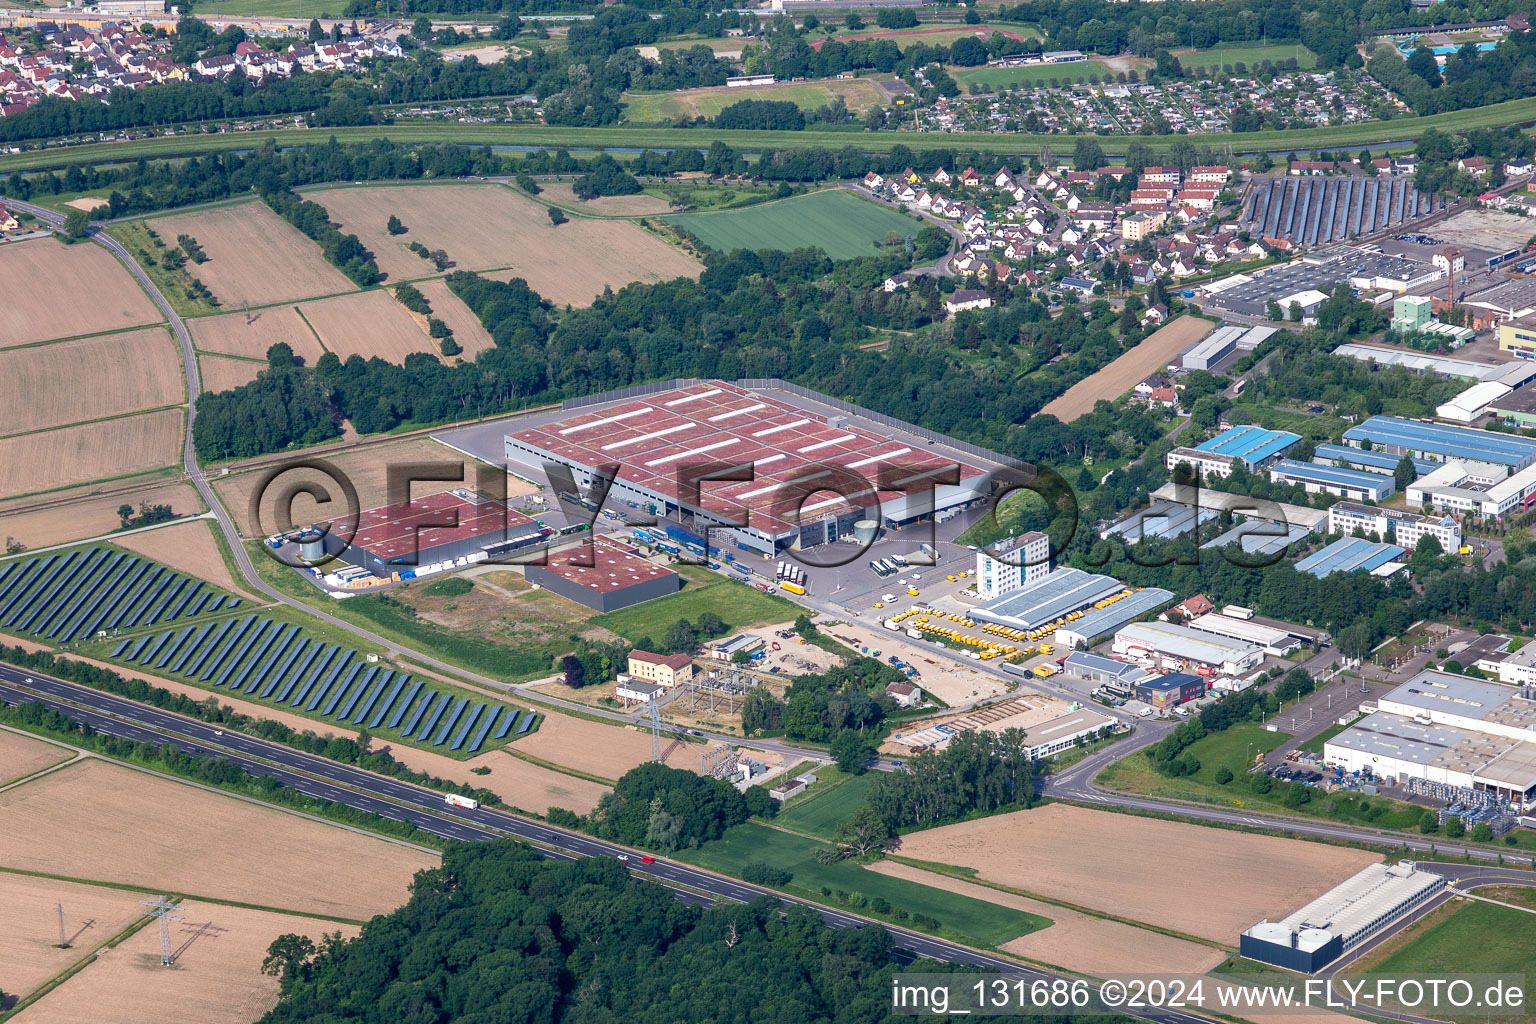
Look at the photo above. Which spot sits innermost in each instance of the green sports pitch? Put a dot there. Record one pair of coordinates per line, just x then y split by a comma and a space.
835, 221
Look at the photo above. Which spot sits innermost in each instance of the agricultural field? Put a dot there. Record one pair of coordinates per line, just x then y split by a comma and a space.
1251, 54
652, 107
488, 227
1077, 855
217, 978
562, 193
29, 952
519, 783
124, 447
367, 324
836, 221
77, 821
998, 79
84, 516
282, 11
254, 256
982, 920
189, 546
467, 329
268, 659
22, 755
607, 751
250, 335
43, 310
89, 379
1155, 351
223, 373
1076, 941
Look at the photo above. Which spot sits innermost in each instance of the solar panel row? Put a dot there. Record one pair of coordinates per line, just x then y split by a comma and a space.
69, 595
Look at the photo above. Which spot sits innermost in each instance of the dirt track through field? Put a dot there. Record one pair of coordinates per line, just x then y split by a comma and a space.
1084, 856
93, 451
88, 379
216, 979
483, 227
106, 822
58, 291
254, 256
1155, 351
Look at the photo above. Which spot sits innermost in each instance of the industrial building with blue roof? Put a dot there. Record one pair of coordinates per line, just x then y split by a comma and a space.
1371, 462
1254, 445
1397, 436
1327, 479
1349, 555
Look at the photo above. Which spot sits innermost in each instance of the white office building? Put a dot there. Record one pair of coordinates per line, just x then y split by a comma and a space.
1401, 528
1011, 563
1180, 648
1482, 488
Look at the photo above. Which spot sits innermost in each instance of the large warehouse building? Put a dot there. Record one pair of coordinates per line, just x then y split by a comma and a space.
1099, 623
1341, 918
1047, 599
1448, 729
1441, 442
1183, 649
1351, 554
1326, 479
617, 577
815, 473
408, 535
1485, 489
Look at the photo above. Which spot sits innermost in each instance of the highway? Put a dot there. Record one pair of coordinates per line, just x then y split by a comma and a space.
425, 808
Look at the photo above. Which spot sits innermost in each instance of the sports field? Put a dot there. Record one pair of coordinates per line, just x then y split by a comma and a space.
932, 36
835, 221
1041, 74
1250, 54
649, 107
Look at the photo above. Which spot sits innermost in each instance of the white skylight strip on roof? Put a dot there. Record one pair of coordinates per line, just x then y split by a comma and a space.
604, 422
692, 398
782, 484
783, 426
826, 444
877, 458
694, 451
925, 474
816, 506
737, 412
647, 437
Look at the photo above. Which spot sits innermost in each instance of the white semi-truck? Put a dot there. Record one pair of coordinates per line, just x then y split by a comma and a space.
454, 800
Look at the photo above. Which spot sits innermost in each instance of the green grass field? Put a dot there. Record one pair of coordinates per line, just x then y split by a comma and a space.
830, 802
664, 107
984, 922
1013, 78
1477, 937
739, 604
1373, 133
277, 9
836, 221
934, 34
1252, 54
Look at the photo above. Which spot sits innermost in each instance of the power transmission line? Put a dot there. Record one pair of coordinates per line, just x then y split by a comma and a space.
161, 908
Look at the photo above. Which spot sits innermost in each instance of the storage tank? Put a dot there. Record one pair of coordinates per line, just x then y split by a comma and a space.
865, 531
311, 544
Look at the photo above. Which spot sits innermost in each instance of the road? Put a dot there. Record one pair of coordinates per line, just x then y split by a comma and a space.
424, 808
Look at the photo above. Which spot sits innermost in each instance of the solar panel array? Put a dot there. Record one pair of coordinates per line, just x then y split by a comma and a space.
272, 661
68, 595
